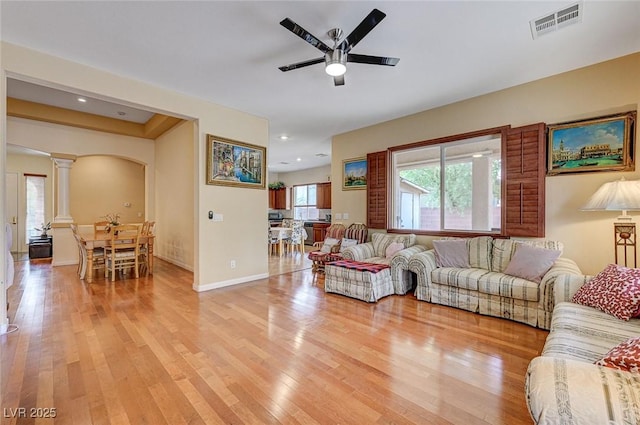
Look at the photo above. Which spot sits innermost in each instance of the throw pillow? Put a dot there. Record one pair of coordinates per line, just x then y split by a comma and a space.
530, 262
452, 253
615, 290
393, 249
328, 244
624, 356
346, 243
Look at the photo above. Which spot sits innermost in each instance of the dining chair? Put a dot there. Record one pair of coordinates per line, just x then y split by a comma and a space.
146, 230
123, 252
98, 255
101, 227
296, 241
274, 243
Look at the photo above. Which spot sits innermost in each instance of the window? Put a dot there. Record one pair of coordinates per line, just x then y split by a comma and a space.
452, 185
304, 202
35, 190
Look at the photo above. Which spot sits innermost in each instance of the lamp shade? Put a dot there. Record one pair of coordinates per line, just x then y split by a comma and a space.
619, 195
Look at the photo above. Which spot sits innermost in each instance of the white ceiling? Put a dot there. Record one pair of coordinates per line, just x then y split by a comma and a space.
229, 53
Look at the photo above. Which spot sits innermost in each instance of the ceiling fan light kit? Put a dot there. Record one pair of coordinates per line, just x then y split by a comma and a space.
336, 59
336, 63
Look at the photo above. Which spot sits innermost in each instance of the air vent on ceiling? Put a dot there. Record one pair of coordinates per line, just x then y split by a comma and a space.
321, 155
284, 163
554, 21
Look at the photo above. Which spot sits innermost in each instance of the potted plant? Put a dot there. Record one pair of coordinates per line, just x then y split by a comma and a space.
113, 220
276, 185
43, 230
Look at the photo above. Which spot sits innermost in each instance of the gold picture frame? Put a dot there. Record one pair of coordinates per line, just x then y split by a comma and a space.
233, 163
597, 144
354, 173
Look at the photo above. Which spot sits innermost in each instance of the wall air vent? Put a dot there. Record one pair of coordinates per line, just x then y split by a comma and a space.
283, 163
554, 21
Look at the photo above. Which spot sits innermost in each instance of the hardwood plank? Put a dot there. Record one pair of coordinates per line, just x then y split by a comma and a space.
274, 351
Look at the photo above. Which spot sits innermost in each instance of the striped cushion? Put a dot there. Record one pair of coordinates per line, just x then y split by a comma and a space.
584, 333
562, 391
503, 250
479, 250
382, 240
360, 266
509, 286
461, 278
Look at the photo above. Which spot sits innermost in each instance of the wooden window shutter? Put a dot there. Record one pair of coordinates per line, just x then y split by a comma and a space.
377, 190
525, 181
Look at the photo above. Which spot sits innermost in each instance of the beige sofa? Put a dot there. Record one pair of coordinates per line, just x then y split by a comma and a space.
484, 288
565, 386
375, 252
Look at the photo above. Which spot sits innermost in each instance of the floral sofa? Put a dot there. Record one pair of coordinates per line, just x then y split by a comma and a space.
483, 283
588, 371
394, 250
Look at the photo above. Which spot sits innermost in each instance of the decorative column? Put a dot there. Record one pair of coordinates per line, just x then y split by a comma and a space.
63, 164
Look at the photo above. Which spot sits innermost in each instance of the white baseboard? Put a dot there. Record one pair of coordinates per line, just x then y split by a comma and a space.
177, 263
216, 285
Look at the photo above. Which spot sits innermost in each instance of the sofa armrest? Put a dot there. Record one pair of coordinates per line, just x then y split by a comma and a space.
567, 285
563, 391
422, 264
359, 252
400, 274
563, 268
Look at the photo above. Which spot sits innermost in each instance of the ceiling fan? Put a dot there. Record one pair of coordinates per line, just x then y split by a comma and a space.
336, 59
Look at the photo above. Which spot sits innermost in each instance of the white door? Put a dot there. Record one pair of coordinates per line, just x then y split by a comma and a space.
12, 207
406, 210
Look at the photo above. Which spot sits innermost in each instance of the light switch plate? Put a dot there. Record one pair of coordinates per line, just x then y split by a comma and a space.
345, 216
338, 216
218, 217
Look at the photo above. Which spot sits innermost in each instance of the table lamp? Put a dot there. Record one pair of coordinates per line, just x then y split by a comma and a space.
620, 195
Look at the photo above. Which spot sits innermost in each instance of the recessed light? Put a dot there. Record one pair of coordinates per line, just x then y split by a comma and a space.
284, 137
82, 100
298, 159
477, 155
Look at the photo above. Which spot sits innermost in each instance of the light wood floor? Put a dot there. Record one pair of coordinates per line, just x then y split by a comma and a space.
278, 350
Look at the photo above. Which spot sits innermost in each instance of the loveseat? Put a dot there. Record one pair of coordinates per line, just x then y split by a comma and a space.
380, 250
481, 285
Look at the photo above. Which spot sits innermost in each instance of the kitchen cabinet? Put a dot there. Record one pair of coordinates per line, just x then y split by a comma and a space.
280, 199
319, 231
323, 196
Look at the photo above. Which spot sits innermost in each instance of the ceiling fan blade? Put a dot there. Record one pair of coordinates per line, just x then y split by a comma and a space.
338, 80
362, 30
304, 34
300, 64
373, 60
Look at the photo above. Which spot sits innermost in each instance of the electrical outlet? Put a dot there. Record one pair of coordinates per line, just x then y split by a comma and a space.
233, 264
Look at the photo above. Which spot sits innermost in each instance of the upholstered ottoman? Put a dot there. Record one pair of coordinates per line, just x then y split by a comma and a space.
365, 281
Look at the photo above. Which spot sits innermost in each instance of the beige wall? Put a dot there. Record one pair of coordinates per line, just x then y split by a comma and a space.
30, 164
100, 185
240, 236
175, 207
609, 87
308, 176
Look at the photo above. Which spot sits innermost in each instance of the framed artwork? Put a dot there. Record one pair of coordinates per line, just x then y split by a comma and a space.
598, 144
233, 163
354, 173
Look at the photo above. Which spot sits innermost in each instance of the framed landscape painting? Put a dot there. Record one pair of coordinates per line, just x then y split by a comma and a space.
233, 163
354, 173
598, 144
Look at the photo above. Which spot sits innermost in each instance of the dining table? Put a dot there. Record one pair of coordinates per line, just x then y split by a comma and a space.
92, 240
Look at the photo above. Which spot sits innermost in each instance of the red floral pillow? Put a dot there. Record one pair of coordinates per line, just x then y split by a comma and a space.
615, 290
624, 356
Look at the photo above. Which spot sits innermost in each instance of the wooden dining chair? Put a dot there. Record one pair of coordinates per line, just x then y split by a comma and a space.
101, 227
98, 255
146, 230
123, 252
